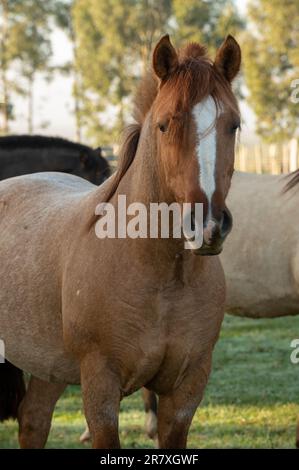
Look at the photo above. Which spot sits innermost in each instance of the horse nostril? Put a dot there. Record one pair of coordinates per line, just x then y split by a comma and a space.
227, 223
211, 232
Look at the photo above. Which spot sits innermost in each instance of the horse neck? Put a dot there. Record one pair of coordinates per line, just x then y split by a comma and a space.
144, 183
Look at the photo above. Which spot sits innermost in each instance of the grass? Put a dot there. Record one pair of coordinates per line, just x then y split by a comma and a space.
252, 399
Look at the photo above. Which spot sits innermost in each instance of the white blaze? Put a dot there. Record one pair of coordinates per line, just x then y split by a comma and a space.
205, 114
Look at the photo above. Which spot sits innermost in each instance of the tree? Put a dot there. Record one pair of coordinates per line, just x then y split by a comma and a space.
25, 45
64, 20
206, 22
114, 38
114, 42
271, 63
5, 60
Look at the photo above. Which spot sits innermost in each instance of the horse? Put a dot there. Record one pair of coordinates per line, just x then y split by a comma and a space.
23, 154
265, 285
118, 314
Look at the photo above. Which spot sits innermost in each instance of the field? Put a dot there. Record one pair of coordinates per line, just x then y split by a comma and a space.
252, 399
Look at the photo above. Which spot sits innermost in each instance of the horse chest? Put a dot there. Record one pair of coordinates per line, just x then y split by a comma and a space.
160, 351
155, 359
150, 333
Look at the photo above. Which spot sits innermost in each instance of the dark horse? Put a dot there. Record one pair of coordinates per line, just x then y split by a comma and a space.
23, 154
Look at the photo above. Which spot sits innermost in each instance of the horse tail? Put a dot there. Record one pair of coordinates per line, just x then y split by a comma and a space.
12, 390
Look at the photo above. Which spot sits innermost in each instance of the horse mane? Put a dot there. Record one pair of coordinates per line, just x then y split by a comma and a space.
193, 80
293, 181
142, 102
12, 142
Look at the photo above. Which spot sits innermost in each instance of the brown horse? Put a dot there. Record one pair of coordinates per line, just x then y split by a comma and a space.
262, 274
262, 277
119, 314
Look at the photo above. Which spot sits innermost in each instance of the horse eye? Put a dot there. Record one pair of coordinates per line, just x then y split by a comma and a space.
236, 126
163, 127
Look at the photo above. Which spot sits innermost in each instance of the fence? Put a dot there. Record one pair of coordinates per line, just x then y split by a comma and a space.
261, 158
268, 158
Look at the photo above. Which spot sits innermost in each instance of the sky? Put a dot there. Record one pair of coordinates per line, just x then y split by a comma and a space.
53, 103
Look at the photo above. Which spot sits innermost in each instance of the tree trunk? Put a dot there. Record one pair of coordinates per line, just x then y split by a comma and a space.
5, 103
77, 107
30, 104
76, 88
5, 97
122, 114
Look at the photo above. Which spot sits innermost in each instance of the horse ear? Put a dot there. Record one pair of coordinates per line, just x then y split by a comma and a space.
98, 152
165, 59
228, 58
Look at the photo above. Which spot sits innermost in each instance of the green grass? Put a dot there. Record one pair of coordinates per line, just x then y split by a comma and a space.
252, 399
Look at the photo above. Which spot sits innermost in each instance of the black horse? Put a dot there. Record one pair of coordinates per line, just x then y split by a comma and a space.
23, 154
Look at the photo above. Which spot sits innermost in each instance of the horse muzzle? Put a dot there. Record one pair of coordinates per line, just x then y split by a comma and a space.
214, 233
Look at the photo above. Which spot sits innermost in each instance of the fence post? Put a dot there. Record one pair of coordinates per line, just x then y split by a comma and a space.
258, 159
285, 158
272, 154
293, 154
242, 159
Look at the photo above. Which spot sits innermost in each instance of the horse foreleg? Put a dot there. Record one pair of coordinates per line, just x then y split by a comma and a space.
176, 410
35, 412
101, 399
150, 406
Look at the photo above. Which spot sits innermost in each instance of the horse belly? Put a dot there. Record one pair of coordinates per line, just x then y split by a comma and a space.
254, 295
30, 296
55, 366
32, 335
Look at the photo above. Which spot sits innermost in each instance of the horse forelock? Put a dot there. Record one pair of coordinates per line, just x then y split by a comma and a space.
191, 61
195, 79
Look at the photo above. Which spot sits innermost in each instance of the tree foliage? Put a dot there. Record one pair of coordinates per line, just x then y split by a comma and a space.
114, 41
114, 38
207, 22
24, 44
271, 62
